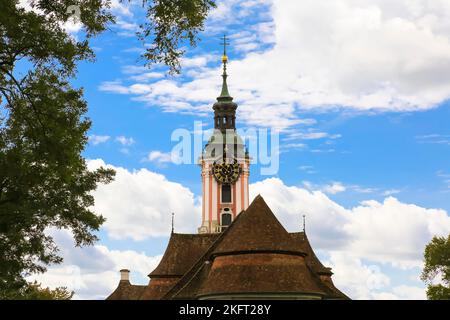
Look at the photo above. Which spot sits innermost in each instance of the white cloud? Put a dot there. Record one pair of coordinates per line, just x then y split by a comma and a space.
127, 26
351, 54
309, 135
292, 146
391, 192
139, 204
159, 156
93, 272
147, 76
335, 187
199, 61
71, 26
125, 141
363, 281
323, 150
358, 241
163, 158
356, 279
358, 54
383, 232
121, 8
132, 69
308, 169
25, 4
98, 139
445, 177
442, 139
395, 232
409, 292
114, 86
360, 189
402, 292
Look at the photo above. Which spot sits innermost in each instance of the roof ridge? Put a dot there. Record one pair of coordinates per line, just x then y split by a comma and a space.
258, 229
187, 276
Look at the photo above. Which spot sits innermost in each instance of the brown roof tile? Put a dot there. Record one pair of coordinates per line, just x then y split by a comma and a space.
126, 291
256, 229
182, 252
158, 287
192, 287
261, 273
302, 242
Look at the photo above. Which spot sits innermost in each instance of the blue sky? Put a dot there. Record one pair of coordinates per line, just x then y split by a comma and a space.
359, 92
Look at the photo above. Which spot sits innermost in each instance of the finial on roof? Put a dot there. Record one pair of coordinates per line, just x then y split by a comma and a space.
173, 214
304, 223
224, 94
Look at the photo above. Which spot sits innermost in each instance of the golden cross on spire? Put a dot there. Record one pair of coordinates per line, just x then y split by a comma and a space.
224, 95
225, 42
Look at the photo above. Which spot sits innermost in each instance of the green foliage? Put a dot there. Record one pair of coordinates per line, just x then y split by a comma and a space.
170, 23
44, 180
34, 291
437, 265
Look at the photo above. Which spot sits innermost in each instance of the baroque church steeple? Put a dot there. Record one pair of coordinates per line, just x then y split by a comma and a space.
253, 246
225, 108
225, 164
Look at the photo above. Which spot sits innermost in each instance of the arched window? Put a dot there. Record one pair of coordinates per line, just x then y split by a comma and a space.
226, 219
226, 193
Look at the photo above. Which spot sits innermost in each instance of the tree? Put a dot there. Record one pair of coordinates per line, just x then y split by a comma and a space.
34, 291
169, 23
437, 265
44, 180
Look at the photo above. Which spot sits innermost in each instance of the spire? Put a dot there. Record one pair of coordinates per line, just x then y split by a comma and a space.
224, 94
224, 108
304, 223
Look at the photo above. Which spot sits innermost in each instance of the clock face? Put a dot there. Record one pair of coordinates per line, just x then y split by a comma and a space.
226, 172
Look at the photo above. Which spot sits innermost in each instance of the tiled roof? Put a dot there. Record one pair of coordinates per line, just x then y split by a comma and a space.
126, 291
302, 242
254, 255
182, 252
267, 273
256, 229
158, 287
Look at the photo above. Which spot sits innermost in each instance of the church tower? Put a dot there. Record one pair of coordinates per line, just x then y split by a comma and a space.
224, 165
230, 258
